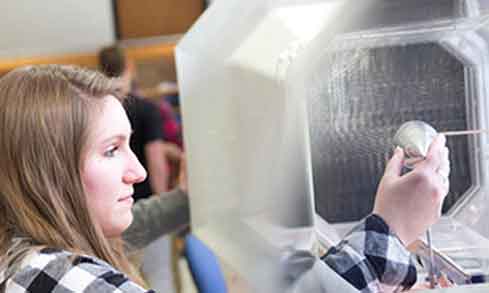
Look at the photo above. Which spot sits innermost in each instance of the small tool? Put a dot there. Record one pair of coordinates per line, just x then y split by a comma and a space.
431, 270
465, 132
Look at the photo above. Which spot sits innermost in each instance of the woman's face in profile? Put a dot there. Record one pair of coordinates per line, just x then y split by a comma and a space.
110, 169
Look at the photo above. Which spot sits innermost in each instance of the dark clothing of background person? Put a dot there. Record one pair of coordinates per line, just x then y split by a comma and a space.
146, 121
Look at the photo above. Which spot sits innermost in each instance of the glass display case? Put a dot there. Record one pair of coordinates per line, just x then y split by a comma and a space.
290, 108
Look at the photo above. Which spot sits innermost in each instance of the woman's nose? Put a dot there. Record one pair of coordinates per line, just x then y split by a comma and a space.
135, 171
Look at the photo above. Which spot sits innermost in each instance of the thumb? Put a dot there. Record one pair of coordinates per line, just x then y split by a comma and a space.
394, 166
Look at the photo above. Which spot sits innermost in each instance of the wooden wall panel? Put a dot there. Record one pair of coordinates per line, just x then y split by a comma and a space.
146, 54
149, 18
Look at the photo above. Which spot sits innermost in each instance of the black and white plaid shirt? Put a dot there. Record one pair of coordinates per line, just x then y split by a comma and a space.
372, 258
63, 272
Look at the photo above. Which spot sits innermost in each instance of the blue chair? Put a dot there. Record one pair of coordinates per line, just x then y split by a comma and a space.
204, 266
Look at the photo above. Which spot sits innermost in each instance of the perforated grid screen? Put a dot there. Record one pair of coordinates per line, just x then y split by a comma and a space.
363, 96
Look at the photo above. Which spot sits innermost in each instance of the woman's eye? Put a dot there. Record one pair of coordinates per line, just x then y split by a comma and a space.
111, 152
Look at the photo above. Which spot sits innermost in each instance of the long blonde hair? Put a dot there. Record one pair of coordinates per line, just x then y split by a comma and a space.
45, 116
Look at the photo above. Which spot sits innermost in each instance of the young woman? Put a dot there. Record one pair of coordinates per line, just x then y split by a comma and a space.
66, 180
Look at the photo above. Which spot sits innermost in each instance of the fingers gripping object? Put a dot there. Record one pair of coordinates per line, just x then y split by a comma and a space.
415, 137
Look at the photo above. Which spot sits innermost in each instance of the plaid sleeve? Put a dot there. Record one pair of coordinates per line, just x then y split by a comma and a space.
62, 272
372, 258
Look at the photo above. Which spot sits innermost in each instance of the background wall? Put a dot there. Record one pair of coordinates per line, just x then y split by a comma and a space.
33, 27
149, 18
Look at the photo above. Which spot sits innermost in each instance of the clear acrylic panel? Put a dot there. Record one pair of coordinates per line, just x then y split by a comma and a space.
290, 107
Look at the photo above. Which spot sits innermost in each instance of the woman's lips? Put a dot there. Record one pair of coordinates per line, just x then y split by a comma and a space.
126, 199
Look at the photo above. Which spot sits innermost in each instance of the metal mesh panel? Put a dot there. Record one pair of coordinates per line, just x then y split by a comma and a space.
359, 107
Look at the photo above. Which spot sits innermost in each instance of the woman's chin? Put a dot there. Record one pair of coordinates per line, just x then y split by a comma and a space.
119, 225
